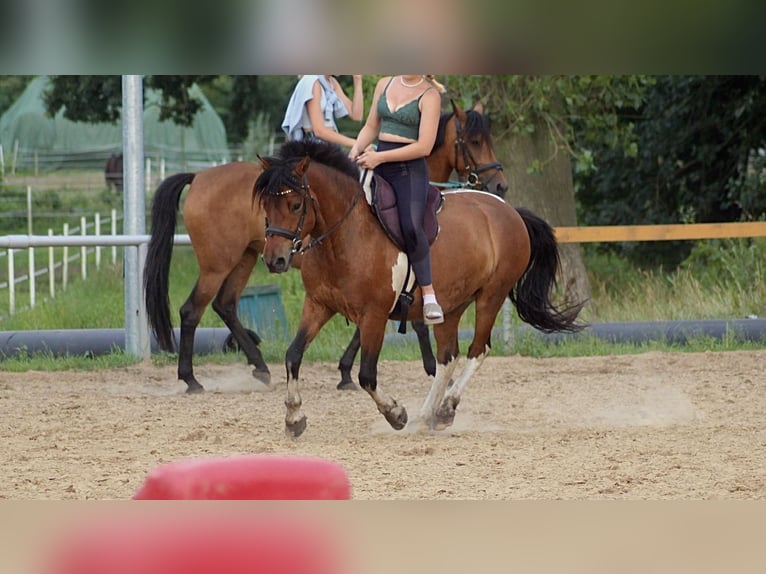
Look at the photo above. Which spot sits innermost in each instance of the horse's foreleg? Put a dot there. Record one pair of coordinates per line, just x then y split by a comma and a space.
371, 340
313, 318
424, 340
347, 363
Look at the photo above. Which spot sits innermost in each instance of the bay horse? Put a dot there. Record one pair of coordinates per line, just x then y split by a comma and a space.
463, 146
227, 233
486, 250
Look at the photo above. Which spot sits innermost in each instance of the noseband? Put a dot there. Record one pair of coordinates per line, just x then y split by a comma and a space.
295, 236
473, 171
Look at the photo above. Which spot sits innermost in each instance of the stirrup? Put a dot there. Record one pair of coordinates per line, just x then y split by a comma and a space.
432, 314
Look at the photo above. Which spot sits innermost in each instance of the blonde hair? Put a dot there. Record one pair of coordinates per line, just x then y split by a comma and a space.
439, 86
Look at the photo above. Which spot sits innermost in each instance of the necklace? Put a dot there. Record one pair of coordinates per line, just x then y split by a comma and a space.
406, 85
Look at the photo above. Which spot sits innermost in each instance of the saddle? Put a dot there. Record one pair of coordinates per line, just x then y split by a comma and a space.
382, 199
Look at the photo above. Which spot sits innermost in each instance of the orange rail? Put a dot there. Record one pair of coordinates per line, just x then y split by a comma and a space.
607, 233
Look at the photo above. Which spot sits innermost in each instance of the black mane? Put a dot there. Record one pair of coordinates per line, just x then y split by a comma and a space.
329, 154
476, 125
280, 173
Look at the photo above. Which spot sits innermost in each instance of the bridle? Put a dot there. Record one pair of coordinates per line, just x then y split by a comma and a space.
471, 176
296, 236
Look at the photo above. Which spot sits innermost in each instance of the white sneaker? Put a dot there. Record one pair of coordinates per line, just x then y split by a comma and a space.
432, 314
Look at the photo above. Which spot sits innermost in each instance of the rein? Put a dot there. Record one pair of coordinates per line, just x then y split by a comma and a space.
295, 236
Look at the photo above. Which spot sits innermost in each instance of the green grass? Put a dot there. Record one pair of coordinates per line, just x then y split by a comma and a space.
721, 280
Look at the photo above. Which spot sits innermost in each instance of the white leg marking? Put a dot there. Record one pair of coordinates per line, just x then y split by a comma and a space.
293, 402
471, 366
438, 387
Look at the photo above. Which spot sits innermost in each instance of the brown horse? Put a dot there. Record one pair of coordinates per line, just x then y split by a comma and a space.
227, 235
485, 251
464, 146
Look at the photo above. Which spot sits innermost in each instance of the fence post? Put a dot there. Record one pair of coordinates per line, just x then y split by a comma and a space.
97, 225
51, 268
65, 262
2, 161
15, 156
162, 169
31, 252
83, 249
11, 284
134, 196
114, 233
148, 168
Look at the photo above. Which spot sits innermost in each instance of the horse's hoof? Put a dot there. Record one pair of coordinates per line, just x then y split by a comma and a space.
445, 414
347, 386
262, 376
194, 389
397, 417
295, 429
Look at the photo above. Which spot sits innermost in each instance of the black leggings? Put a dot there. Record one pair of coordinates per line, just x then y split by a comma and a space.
410, 182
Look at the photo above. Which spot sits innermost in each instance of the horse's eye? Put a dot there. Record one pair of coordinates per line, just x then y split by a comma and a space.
477, 143
296, 207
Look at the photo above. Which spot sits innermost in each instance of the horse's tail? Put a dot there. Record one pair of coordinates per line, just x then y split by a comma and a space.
531, 294
159, 252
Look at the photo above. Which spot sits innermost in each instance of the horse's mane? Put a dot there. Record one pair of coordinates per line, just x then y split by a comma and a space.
280, 173
476, 124
326, 153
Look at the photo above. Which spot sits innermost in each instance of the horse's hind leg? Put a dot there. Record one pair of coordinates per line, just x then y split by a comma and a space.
347, 363
447, 343
486, 312
225, 304
191, 313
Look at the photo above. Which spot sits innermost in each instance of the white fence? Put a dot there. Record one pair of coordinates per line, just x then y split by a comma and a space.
97, 242
93, 228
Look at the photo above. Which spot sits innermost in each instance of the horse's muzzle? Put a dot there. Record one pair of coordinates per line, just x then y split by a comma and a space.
278, 264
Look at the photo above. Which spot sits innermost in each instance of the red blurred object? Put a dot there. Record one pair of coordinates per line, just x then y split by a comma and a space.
249, 477
200, 544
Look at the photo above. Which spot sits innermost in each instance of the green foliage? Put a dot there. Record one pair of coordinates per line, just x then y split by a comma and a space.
576, 110
99, 98
697, 160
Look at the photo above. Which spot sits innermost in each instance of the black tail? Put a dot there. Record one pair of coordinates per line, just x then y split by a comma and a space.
160, 250
531, 295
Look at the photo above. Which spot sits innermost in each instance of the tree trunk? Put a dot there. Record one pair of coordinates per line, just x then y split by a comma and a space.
550, 194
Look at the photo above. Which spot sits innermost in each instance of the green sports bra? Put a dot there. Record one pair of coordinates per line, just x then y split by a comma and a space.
403, 122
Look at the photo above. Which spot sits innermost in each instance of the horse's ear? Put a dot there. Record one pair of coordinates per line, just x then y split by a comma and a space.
265, 164
459, 112
479, 107
302, 166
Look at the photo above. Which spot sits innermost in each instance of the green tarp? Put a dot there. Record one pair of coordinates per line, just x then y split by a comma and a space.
55, 143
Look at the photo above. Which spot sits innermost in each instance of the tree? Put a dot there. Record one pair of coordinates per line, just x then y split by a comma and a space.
700, 142
237, 99
545, 126
11, 87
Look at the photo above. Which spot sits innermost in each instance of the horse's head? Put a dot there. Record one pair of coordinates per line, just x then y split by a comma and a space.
282, 190
473, 158
292, 206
